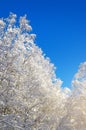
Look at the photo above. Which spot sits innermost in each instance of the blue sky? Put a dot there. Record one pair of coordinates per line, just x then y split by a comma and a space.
60, 26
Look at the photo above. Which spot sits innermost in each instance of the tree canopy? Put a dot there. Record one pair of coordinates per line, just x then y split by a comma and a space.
31, 96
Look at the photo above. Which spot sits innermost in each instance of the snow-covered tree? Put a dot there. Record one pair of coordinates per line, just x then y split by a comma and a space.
75, 118
79, 103
30, 94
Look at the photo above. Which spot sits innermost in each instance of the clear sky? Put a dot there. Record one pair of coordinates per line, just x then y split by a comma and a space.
60, 26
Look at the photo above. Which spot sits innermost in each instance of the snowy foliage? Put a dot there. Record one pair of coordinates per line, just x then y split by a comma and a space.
30, 93
31, 97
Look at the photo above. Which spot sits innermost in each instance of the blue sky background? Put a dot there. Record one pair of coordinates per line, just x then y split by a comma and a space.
60, 26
